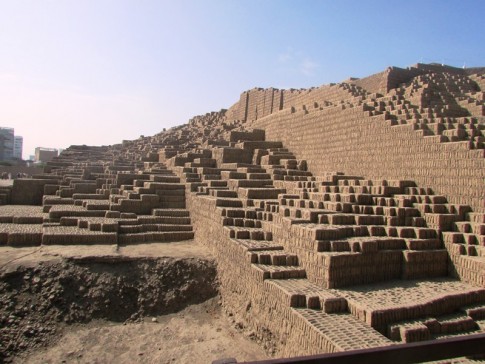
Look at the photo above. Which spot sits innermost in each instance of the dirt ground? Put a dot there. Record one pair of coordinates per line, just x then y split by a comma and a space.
198, 334
144, 303
10, 257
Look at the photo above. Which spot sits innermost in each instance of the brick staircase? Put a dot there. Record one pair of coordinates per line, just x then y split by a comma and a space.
314, 249
443, 104
93, 203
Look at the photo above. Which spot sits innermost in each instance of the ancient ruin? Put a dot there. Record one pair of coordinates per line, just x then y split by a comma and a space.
345, 216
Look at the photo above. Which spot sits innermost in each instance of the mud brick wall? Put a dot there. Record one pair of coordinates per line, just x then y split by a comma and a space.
254, 135
291, 97
232, 155
375, 83
355, 143
128, 178
245, 295
29, 191
348, 269
267, 107
277, 100
243, 106
466, 267
307, 98
384, 81
440, 68
257, 103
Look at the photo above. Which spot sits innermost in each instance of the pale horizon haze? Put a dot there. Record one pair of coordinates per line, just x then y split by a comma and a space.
97, 72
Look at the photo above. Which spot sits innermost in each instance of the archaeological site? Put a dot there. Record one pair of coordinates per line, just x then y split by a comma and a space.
343, 217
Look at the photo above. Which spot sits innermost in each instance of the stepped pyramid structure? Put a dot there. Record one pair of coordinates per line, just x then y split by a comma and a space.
342, 217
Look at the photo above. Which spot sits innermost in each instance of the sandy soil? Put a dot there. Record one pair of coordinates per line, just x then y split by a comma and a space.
198, 334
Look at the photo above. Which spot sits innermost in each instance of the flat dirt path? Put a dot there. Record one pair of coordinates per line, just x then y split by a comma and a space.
198, 334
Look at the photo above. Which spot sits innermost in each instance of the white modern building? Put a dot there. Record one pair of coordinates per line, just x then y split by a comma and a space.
45, 154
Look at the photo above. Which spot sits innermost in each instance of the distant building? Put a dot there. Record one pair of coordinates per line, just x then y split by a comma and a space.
45, 154
6, 144
18, 143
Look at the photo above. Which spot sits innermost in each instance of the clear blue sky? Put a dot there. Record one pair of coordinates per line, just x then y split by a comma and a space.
98, 71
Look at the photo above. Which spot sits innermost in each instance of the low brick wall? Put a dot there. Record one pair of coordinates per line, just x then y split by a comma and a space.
29, 191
